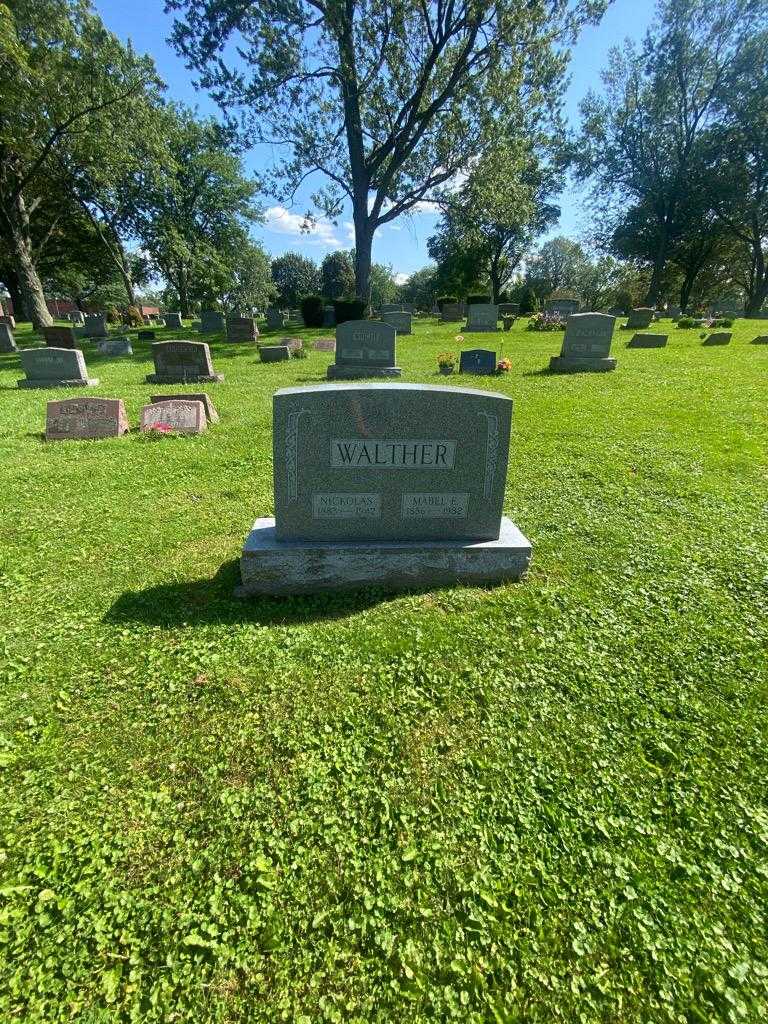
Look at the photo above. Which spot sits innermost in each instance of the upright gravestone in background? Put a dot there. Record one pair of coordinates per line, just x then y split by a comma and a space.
275, 318
96, 325
115, 347
242, 328
391, 307
565, 307
173, 321
649, 340
59, 337
7, 341
78, 419
639, 319
182, 415
587, 343
483, 317
77, 317
396, 485
364, 348
477, 360
329, 316
274, 353
451, 312
508, 309
673, 312
400, 320
54, 368
211, 321
182, 362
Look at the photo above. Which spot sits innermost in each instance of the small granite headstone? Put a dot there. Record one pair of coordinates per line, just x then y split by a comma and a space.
96, 325
115, 347
242, 328
183, 362
324, 345
387, 485
565, 307
761, 340
85, 418
275, 317
400, 320
587, 343
274, 353
7, 341
719, 338
173, 321
329, 316
480, 361
639, 319
673, 312
648, 341
391, 307
59, 337
54, 368
77, 317
508, 309
211, 321
146, 335
451, 312
482, 318
182, 415
364, 348
210, 411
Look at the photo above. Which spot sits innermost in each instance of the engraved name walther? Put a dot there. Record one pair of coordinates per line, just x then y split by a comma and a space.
353, 453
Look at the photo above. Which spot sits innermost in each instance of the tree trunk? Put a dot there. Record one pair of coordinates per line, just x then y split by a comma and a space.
759, 291
183, 290
363, 248
30, 288
127, 279
689, 279
659, 263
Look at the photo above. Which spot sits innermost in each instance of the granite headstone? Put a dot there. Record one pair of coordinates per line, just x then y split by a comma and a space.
95, 325
482, 317
587, 343
59, 337
479, 361
648, 340
451, 312
718, 338
173, 321
182, 362
211, 321
399, 319
210, 410
274, 353
324, 345
85, 418
115, 347
639, 319
54, 368
364, 348
7, 341
242, 328
182, 415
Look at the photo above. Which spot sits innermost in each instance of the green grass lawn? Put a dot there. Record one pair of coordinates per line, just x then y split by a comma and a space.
545, 801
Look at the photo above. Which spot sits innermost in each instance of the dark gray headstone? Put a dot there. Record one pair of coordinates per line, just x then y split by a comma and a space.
180, 362
329, 316
399, 462
211, 321
451, 312
364, 348
391, 307
275, 317
719, 338
173, 321
565, 307
477, 360
274, 353
508, 309
54, 368
482, 317
639, 318
400, 320
146, 335
77, 317
95, 325
242, 328
587, 343
648, 341
7, 341
115, 347
59, 337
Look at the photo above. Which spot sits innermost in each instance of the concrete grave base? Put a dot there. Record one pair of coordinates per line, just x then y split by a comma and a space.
270, 566
344, 372
563, 364
91, 382
156, 378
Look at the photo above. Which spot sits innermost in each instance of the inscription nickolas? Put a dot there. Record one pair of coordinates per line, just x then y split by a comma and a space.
346, 506
354, 453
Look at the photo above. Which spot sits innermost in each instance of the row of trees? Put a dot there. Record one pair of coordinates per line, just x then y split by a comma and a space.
103, 183
296, 276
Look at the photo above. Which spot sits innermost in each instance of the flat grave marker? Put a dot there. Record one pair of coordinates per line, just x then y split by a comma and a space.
649, 340
718, 338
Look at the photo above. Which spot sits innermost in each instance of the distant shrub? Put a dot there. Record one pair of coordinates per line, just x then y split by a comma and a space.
529, 301
349, 309
312, 310
686, 322
133, 317
113, 315
475, 300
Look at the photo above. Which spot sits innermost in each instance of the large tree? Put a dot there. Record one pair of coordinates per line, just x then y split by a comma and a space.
66, 85
389, 100
642, 139
295, 276
196, 207
337, 275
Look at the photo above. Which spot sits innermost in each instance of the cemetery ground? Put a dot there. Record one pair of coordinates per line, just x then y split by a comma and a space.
540, 801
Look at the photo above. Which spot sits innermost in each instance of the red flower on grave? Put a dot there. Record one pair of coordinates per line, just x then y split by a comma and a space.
162, 428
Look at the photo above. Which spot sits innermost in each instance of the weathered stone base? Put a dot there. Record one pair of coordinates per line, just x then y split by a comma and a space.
91, 382
157, 378
562, 364
270, 566
338, 372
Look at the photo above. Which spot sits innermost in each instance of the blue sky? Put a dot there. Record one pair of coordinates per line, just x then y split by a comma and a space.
402, 244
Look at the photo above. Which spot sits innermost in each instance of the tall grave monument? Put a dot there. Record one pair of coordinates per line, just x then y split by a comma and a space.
394, 485
587, 343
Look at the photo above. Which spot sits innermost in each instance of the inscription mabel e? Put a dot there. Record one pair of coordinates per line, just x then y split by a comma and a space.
353, 453
435, 506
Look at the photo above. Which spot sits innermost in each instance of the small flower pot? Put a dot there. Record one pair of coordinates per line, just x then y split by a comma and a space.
446, 370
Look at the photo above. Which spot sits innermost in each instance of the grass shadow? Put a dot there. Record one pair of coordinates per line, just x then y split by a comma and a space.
545, 371
211, 602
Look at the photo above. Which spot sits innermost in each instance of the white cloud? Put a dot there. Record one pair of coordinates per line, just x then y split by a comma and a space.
283, 222
349, 227
401, 278
425, 206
